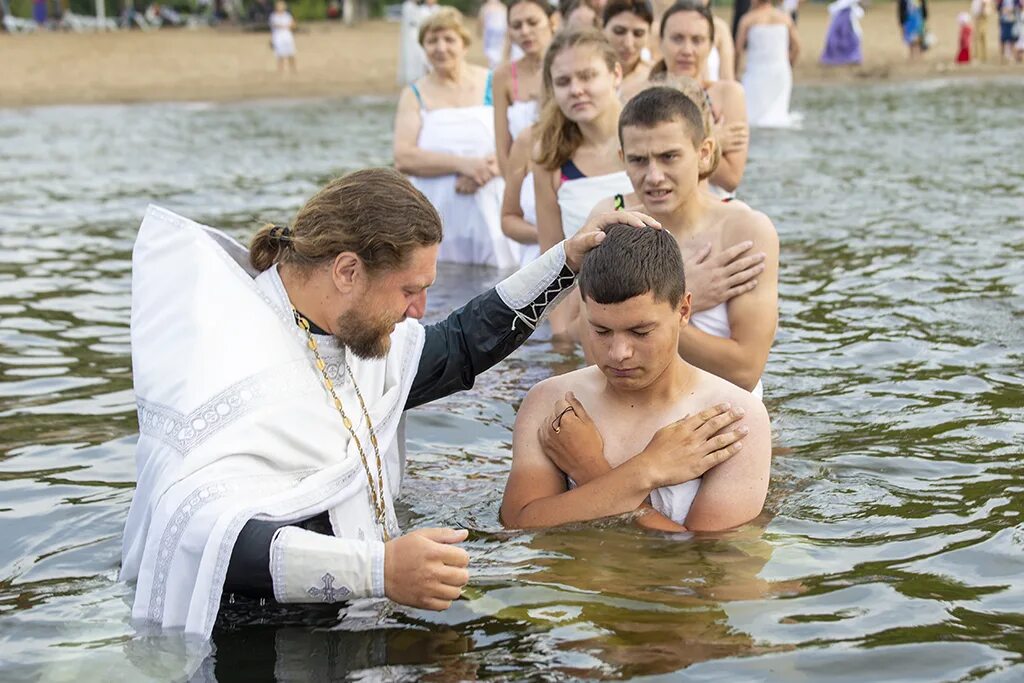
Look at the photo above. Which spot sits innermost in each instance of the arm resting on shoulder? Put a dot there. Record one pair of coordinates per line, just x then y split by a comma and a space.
488, 328
753, 317
733, 493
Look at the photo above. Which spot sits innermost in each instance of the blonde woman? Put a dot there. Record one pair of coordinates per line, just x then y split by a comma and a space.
444, 140
576, 159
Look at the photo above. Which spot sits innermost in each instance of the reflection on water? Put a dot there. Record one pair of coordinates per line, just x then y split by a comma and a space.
892, 542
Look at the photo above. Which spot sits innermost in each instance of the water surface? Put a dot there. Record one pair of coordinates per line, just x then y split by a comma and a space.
891, 547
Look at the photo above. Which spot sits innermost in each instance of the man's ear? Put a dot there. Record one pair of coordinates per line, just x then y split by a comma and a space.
705, 155
685, 309
346, 270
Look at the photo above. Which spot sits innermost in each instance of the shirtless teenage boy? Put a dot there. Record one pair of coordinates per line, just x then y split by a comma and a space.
632, 447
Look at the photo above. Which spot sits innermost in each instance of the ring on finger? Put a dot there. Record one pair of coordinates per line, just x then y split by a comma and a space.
556, 424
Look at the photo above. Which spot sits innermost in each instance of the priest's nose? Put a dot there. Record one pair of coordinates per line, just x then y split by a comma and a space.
418, 307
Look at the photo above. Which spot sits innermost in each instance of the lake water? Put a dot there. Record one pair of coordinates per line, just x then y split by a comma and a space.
892, 546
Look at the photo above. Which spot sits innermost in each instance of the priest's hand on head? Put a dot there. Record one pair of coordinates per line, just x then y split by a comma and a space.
592, 233
423, 569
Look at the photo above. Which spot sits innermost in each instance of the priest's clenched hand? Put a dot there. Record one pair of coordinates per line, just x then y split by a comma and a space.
592, 233
424, 569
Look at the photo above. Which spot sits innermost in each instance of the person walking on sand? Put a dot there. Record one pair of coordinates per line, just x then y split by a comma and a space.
981, 10
963, 55
282, 23
843, 38
913, 14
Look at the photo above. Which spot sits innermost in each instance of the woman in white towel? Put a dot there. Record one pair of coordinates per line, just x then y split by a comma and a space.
576, 162
493, 24
769, 46
444, 140
687, 34
517, 88
517, 84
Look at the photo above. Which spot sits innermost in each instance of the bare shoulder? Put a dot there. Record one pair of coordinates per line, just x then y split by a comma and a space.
722, 26
500, 79
480, 73
547, 391
745, 223
728, 93
711, 389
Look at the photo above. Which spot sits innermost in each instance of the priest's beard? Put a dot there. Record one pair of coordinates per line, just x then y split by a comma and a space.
367, 334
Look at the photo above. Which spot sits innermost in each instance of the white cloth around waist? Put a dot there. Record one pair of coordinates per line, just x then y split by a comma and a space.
471, 222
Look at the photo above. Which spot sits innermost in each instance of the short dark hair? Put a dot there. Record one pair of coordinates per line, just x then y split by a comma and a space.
662, 105
641, 8
632, 262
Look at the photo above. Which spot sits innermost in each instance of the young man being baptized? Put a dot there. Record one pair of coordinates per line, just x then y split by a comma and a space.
689, 450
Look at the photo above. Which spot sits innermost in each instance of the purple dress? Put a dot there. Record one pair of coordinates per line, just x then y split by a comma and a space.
842, 41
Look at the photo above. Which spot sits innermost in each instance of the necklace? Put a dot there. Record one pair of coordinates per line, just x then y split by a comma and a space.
376, 492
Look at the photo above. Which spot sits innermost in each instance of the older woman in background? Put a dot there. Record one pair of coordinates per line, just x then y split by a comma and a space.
444, 140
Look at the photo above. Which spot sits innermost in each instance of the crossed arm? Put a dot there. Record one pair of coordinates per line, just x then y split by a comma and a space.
732, 491
753, 316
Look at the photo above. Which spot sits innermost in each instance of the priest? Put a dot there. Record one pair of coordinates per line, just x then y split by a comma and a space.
271, 386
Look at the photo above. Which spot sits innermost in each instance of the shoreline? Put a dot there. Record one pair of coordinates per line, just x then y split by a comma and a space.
227, 65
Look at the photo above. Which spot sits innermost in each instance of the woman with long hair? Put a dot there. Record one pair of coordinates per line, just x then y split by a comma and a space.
517, 84
627, 24
687, 35
576, 153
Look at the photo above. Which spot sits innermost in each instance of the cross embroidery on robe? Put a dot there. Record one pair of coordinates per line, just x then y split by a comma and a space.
328, 593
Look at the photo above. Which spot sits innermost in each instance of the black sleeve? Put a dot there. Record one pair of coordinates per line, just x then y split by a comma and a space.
249, 567
473, 339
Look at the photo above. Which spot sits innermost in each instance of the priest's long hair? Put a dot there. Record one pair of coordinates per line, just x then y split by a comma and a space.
375, 213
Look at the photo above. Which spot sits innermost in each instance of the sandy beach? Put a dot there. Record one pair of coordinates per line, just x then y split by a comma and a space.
334, 60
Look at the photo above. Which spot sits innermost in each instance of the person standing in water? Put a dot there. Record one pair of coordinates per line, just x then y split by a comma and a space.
640, 391
627, 25
687, 35
731, 328
281, 37
768, 47
576, 161
493, 24
517, 84
517, 90
444, 140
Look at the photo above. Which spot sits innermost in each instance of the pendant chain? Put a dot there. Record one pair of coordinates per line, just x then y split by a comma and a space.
376, 492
